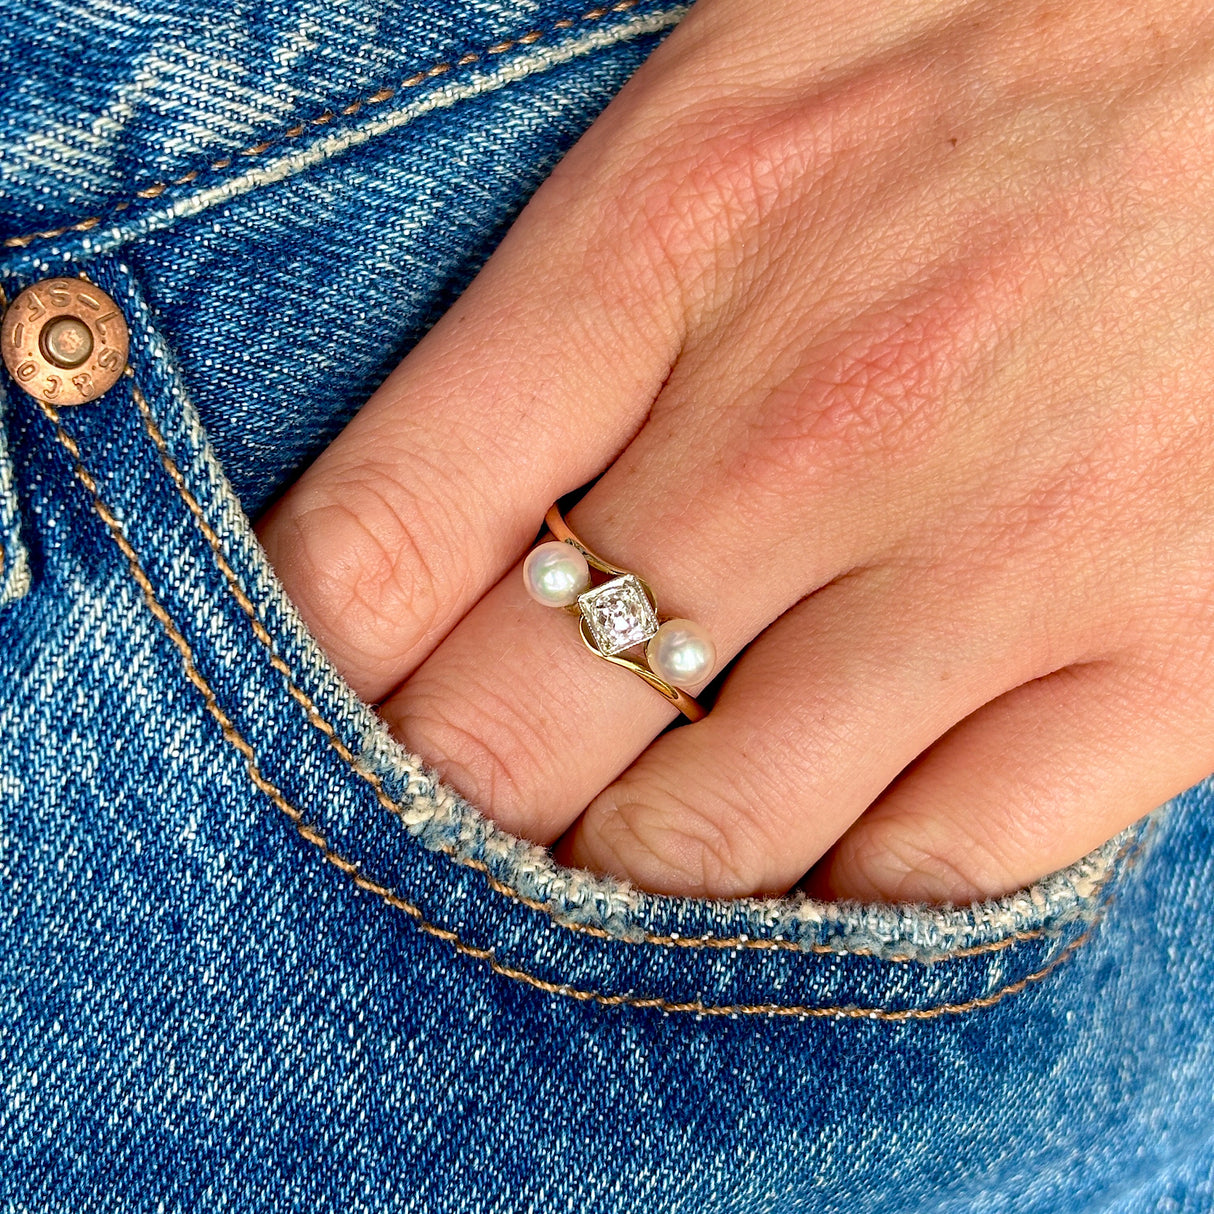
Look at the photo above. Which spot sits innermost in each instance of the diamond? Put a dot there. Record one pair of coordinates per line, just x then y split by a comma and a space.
618, 614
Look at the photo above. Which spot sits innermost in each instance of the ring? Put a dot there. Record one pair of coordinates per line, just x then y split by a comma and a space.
618, 615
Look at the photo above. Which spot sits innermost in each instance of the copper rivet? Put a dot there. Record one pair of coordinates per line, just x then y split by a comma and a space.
64, 341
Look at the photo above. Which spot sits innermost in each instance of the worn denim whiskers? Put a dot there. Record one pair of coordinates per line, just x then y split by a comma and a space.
256, 956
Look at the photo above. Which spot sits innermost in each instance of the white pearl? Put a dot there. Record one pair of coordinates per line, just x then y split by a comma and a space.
681, 652
555, 573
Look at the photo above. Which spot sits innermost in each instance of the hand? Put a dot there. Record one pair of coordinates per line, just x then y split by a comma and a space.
888, 330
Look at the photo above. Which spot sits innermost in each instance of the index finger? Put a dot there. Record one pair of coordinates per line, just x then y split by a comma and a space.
434, 489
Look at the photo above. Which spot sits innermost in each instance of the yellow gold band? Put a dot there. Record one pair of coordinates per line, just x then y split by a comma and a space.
687, 705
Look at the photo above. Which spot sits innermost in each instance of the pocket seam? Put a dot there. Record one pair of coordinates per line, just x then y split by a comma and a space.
351, 869
299, 126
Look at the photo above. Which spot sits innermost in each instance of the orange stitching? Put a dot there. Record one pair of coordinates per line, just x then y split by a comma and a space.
293, 132
315, 716
315, 837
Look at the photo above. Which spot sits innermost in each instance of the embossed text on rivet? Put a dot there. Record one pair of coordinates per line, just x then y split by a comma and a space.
64, 340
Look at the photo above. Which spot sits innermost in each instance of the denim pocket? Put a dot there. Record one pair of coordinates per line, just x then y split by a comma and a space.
375, 817
279, 939
176, 458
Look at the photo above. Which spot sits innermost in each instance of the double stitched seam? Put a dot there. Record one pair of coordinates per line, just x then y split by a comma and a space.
320, 722
317, 839
243, 155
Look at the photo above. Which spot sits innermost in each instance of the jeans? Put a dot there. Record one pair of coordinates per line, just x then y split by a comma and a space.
255, 956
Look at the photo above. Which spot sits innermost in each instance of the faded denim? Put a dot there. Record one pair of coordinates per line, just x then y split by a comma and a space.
254, 956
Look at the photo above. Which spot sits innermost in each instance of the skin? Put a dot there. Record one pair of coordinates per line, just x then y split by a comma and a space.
887, 330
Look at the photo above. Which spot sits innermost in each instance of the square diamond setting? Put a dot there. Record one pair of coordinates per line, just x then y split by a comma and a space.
618, 614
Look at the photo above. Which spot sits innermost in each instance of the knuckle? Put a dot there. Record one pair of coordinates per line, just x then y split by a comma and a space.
1077, 504
480, 746
875, 391
876, 398
901, 864
880, 389
692, 198
368, 566
667, 846
724, 182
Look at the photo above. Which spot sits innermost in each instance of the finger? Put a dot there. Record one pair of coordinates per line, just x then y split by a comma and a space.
819, 715
1026, 785
514, 713
526, 389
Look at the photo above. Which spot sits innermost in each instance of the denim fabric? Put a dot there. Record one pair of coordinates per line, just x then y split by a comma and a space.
254, 956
